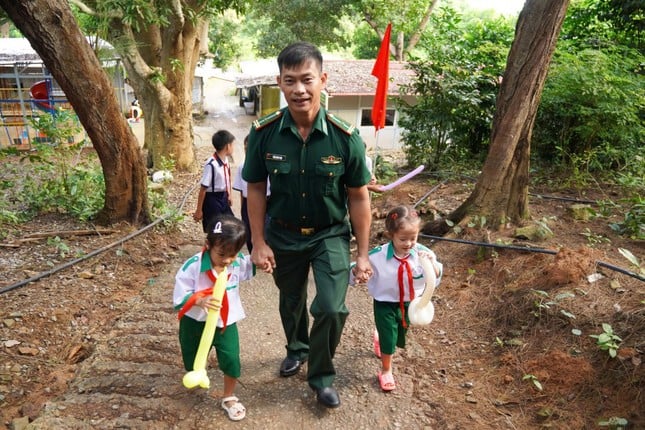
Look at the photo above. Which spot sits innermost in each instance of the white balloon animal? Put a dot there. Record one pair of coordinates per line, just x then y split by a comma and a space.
421, 309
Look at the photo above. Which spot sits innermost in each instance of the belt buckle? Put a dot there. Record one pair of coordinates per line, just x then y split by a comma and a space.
307, 231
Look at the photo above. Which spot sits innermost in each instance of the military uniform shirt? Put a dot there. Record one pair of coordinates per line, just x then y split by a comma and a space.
308, 178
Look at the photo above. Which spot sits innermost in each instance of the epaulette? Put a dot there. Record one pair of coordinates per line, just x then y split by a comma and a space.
266, 120
345, 126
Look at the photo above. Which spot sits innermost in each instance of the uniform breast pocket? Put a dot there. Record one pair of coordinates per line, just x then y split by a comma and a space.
279, 174
328, 176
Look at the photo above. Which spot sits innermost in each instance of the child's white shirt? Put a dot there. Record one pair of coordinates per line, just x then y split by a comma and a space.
193, 277
218, 183
241, 185
383, 285
369, 164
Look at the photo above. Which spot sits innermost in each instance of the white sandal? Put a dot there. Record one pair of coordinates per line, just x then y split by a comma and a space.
236, 411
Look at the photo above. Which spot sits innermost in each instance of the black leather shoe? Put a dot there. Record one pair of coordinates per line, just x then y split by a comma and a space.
290, 366
328, 397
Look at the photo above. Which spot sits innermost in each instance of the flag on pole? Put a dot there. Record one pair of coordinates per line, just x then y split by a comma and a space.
381, 72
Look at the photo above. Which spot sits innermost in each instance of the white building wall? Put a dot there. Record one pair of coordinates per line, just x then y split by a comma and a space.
350, 109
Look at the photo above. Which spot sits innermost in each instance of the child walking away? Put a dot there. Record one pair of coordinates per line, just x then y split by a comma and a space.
215, 191
397, 279
193, 299
239, 184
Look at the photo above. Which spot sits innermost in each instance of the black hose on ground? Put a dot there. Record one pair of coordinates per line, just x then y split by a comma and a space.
530, 249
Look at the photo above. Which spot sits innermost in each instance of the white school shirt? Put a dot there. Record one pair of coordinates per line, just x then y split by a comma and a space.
383, 285
220, 181
193, 277
369, 164
240, 184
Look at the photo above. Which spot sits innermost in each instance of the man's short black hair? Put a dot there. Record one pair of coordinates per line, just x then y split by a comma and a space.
299, 53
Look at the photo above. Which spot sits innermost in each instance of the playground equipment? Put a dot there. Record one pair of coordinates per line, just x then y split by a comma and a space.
41, 94
28, 90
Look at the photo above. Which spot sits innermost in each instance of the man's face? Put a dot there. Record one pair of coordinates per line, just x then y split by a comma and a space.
301, 86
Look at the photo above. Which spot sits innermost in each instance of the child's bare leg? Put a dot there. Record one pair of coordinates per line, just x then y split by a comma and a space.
235, 410
386, 363
229, 386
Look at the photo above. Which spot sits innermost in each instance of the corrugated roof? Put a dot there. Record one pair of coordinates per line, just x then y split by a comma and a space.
19, 49
14, 49
346, 77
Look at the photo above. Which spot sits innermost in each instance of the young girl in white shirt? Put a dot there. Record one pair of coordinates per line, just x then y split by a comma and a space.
397, 279
193, 298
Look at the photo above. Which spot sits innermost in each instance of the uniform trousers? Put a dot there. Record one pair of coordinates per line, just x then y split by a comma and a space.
327, 254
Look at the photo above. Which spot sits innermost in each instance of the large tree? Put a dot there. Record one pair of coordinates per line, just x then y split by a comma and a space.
501, 192
160, 42
51, 28
408, 18
321, 22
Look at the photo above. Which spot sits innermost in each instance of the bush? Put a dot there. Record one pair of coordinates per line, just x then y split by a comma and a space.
592, 109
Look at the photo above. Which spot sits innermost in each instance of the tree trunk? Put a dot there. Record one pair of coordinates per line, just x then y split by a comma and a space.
54, 33
398, 49
172, 52
501, 192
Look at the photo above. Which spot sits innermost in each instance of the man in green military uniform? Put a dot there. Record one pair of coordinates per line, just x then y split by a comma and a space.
316, 166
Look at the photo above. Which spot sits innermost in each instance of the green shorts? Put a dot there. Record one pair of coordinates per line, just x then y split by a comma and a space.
227, 345
387, 318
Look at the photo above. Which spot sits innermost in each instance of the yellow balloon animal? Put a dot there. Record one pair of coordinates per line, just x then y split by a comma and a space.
198, 375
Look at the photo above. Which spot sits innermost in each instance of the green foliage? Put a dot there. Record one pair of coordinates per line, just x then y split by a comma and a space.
223, 40
614, 423
534, 380
590, 116
597, 23
53, 180
167, 163
275, 24
383, 169
366, 42
61, 247
59, 127
544, 302
632, 259
607, 340
594, 239
633, 223
457, 89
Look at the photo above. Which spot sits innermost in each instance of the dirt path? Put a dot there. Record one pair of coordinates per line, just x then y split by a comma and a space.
133, 377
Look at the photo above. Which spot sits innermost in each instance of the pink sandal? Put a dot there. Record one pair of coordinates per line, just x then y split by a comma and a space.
376, 344
386, 381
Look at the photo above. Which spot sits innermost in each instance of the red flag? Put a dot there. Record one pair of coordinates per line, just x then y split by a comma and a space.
381, 71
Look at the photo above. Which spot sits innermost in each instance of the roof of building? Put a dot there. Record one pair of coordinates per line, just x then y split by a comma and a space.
346, 77
14, 49
19, 49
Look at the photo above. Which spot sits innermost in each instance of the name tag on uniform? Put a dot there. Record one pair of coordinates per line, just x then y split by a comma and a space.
276, 157
331, 160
